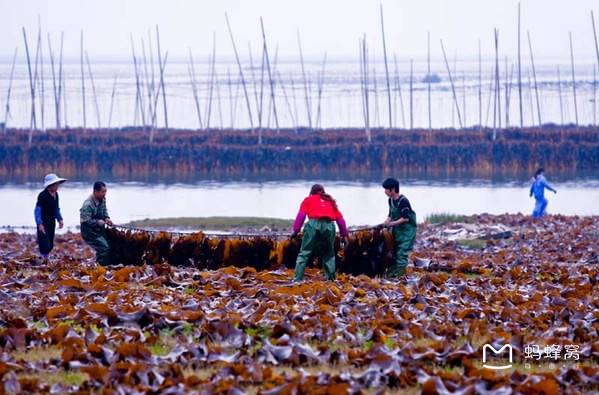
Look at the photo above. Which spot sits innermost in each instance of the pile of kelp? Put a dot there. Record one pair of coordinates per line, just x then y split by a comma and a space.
72, 326
367, 252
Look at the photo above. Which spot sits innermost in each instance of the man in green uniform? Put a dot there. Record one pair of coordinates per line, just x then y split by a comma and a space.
402, 220
94, 217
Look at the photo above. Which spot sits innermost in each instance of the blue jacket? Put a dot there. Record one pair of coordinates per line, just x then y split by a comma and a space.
538, 187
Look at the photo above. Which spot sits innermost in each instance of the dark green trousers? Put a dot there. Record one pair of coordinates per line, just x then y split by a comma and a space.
318, 240
404, 236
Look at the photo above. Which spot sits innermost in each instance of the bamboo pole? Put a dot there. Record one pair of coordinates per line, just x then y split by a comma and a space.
306, 93
289, 107
42, 79
480, 88
464, 98
247, 98
212, 61
218, 100
411, 94
594, 95
230, 93
320, 88
162, 79
508, 83
112, 97
375, 94
54, 87
254, 83
162, 66
532, 109
84, 114
7, 106
271, 102
366, 102
398, 85
139, 107
270, 77
91, 77
520, 72
153, 84
32, 123
64, 102
573, 80
261, 96
497, 85
595, 37
534, 76
192, 79
390, 109
60, 81
146, 80
455, 98
559, 90
295, 109
428, 73
491, 95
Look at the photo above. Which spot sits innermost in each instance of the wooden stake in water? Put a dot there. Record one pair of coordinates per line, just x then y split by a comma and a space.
497, 85
480, 88
54, 86
60, 81
162, 79
534, 76
365, 90
32, 124
42, 79
398, 87
161, 84
411, 94
390, 109
270, 77
212, 62
84, 114
520, 72
192, 78
320, 89
573, 80
455, 97
112, 97
91, 77
247, 98
306, 92
594, 95
561, 102
7, 107
595, 37
428, 75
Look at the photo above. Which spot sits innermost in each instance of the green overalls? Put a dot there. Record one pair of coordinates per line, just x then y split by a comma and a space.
91, 232
319, 238
404, 235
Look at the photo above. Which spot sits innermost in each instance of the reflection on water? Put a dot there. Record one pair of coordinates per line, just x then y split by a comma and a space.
362, 202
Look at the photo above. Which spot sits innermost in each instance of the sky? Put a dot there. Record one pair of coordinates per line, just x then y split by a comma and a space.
332, 26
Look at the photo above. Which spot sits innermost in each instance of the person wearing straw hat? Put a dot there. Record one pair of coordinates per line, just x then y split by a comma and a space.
46, 213
319, 232
94, 217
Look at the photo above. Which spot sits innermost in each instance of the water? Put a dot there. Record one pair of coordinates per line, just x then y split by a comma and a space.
340, 101
361, 202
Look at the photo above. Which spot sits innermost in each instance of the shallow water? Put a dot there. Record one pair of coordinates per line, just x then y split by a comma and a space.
361, 203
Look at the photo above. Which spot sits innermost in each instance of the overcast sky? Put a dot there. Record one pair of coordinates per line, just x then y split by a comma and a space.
325, 25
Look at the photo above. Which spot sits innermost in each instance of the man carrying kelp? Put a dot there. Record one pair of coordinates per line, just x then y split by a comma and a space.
402, 221
94, 217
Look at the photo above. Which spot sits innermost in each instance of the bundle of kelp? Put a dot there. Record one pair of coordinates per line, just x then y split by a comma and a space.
366, 252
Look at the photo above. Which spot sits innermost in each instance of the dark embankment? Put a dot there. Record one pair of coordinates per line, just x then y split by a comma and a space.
127, 152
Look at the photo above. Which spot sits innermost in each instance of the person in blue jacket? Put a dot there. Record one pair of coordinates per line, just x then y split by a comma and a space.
537, 189
47, 212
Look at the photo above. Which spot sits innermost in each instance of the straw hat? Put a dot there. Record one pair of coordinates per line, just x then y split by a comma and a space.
52, 178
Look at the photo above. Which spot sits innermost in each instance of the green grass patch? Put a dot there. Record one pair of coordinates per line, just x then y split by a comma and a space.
65, 377
214, 223
38, 354
444, 218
